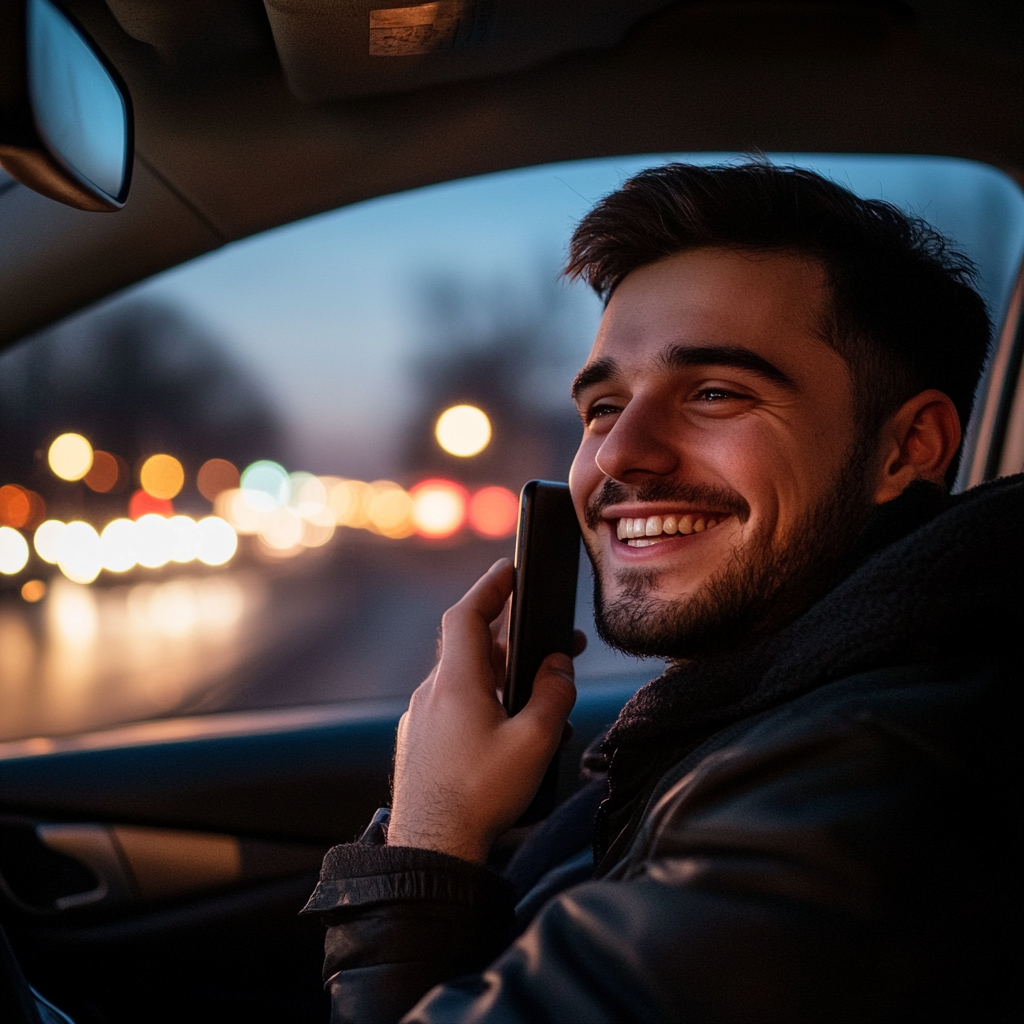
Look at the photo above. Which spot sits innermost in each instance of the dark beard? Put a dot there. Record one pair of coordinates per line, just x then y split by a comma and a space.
758, 591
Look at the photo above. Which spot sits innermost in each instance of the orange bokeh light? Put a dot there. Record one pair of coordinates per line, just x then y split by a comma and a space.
142, 504
494, 512
162, 476
438, 508
21, 508
15, 506
216, 476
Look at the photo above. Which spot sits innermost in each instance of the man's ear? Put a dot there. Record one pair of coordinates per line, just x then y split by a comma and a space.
917, 442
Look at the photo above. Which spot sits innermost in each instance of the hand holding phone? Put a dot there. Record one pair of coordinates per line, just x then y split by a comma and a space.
543, 608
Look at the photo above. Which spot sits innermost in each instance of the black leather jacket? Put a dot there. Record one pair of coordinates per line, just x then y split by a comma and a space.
840, 840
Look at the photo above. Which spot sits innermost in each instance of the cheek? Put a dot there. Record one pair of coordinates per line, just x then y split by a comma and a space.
584, 476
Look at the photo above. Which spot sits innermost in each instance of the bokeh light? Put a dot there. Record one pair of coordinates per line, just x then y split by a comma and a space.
230, 505
494, 512
15, 506
349, 500
280, 528
463, 430
162, 476
70, 456
45, 539
38, 513
265, 486
439, 508
117, 546
390, 510
308, 495
143, 504
33, 591
13, 551
185, 543
217, 541
106, 472
154, 540
317, 530
78, 552
216, 476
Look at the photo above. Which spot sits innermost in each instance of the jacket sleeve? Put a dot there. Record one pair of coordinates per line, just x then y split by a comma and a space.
401, 920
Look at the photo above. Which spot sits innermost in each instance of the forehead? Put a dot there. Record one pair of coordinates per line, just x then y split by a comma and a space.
771, 304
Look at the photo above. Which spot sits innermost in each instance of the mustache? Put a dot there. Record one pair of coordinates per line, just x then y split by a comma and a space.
702, 495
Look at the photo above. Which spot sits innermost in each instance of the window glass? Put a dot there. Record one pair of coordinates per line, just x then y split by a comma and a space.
258, 479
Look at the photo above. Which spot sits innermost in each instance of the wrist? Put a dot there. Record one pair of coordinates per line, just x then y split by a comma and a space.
451, 842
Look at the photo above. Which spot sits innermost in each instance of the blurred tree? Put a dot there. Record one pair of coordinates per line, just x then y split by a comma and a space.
511, 349
137, 379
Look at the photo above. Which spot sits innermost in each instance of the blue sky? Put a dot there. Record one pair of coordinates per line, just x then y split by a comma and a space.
324, 312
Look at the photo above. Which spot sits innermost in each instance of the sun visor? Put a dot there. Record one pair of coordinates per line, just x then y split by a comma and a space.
335, 48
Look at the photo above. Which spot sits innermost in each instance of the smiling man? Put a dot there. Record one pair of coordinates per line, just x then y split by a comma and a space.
811, 815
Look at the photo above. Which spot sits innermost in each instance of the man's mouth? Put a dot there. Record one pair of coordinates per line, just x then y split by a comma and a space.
642, 532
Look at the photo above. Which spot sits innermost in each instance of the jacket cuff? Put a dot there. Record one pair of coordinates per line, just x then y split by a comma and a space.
356, 875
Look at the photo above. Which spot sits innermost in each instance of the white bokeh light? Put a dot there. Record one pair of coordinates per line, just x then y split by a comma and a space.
218, 542
78, 552
13, 551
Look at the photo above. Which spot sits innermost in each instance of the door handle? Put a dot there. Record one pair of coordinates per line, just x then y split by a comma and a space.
93, 846
51, 867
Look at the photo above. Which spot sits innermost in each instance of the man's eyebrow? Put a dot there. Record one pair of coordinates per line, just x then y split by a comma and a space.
679, 356
596, 372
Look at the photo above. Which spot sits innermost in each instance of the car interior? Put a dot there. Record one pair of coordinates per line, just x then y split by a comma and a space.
336, 235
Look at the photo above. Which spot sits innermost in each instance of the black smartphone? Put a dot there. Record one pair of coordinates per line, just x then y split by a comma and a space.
543, 604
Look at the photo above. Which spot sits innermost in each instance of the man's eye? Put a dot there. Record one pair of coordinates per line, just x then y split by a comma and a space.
717, 395
599, 411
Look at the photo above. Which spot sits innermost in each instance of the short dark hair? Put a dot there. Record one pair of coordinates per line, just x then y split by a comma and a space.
905, 314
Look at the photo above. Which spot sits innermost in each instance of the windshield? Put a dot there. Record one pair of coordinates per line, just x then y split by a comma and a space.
258, 480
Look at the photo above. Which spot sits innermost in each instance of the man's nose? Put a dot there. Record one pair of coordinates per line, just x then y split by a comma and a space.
641, 443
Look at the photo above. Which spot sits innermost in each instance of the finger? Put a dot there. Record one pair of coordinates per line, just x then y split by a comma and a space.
553, 697
499, 627
579, 642
488, 595
499, 645
466, 641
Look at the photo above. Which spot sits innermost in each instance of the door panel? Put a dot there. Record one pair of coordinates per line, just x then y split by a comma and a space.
155, 872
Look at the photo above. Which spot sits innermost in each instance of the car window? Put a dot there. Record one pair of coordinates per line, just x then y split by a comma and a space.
258, 479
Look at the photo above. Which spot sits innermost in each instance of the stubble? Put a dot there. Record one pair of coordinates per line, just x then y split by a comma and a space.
764, 584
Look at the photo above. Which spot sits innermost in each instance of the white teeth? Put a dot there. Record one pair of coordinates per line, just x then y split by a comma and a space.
635, 531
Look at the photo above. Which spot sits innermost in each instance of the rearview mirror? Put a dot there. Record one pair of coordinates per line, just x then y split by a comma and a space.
65, 115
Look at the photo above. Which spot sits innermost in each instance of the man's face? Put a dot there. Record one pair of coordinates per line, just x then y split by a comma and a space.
719, 469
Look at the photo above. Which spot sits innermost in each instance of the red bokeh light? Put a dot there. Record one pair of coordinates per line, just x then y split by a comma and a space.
493, 512
142, 504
